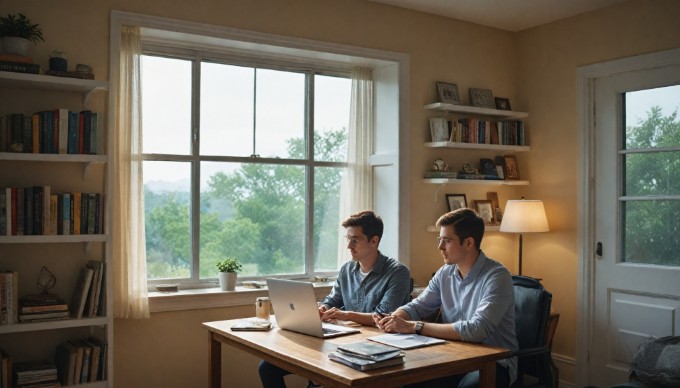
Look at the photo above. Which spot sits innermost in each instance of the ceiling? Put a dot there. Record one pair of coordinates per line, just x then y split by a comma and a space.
509, 15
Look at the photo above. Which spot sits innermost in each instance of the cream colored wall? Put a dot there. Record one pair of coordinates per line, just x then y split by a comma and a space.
535, 69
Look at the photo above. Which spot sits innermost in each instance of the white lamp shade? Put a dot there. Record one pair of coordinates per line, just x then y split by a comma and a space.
524, 216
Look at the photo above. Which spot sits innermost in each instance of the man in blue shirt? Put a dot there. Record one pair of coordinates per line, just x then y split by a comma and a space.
370, 283
474, 294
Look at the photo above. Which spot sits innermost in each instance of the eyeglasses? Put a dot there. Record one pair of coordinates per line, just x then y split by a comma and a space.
444, 240
353, 240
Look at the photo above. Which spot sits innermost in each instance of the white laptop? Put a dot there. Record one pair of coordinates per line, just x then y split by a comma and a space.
296, 310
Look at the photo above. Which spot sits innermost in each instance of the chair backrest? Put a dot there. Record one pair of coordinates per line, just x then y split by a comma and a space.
532, 311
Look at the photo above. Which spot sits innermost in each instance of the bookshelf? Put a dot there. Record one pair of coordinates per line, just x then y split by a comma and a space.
63, 254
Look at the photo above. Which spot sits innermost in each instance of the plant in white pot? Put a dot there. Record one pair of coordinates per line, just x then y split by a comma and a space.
228, 269
16, 31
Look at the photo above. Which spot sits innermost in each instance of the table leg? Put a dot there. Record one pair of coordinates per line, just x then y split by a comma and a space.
487, 375
214, 362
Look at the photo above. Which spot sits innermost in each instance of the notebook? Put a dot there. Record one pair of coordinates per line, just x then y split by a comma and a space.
296, 310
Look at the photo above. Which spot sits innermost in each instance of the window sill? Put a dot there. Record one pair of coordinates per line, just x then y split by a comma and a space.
206, 298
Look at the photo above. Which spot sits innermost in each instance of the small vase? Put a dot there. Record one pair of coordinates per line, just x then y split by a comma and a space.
15, 46
227, 281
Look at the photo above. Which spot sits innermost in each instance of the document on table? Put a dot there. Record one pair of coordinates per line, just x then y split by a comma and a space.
406, 341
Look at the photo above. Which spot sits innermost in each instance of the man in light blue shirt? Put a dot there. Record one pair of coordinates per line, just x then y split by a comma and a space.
474, 294
370, 283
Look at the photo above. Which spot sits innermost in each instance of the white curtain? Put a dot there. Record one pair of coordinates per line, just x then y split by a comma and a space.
356, 190
130, 298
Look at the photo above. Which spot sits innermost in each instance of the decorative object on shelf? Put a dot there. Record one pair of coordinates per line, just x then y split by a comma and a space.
448, 93
482, 98
485, 210
511, 167
440, 165
456, 201
228, 272
467, 169
524, 216
16, 31
81, 68
487, 167
46, 280
500, 166
58, 61
502, 103
439, 129
493, 197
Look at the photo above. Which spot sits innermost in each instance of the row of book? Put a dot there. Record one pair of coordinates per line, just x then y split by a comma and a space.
81, 361
57, 131
476, 131
34, 210
367, 355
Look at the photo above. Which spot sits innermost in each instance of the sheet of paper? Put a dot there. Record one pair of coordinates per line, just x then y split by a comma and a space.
406, 341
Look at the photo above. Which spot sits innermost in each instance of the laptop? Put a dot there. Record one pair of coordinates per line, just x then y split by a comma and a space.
296, 310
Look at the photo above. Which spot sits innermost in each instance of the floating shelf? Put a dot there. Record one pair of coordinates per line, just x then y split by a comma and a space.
47, 82
445, 181
60, 238
29, 327
503, 114
475, 146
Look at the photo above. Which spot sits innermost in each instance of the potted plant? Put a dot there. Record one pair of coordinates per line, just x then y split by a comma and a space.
228, 268
16, 31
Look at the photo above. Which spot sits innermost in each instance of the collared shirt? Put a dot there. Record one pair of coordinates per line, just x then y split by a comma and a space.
386, 287
480, 306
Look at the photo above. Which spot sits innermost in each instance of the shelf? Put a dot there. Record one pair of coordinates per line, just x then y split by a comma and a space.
69, 323
475, 146
503, 114
47, 82
445, 181
76, 238
65, 158
487, 228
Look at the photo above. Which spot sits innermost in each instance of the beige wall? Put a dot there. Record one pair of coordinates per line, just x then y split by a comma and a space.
536, 69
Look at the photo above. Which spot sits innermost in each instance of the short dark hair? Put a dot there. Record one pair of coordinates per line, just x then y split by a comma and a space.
466, 223
371, 223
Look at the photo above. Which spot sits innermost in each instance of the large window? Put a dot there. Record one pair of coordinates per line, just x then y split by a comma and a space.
243, 161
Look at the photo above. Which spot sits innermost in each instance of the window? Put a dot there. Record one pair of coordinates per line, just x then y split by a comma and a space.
241, 160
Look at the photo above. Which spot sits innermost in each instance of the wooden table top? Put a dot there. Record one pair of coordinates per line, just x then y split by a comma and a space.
300, 353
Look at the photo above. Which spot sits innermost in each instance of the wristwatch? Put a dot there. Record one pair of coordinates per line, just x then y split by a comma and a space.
419, 327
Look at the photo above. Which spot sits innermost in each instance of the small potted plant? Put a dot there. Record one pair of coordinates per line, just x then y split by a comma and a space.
228, 269
16, 31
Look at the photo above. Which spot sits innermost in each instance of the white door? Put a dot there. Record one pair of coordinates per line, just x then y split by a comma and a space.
636, 279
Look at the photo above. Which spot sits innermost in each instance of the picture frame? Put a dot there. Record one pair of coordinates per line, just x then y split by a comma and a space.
493, 197
482, 98
511, 167
500, 166
502, 103
487, 167
439, 129
456, 201
448, 93
485, 210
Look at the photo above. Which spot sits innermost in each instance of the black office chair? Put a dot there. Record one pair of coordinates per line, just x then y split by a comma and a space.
532, 313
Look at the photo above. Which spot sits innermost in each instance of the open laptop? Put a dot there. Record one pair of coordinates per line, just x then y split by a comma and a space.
296, 310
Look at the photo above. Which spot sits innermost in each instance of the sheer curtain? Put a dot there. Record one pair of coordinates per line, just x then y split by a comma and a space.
356, 190
130, 298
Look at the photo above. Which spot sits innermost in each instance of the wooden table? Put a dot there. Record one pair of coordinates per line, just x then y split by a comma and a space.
307, 356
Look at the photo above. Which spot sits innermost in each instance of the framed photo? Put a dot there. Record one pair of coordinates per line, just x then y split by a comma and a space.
482, 98
456, 201
493, 197
511, 167
500, 166
502, 103
448, 93
487, 167
485, 210
467, 168
439, 129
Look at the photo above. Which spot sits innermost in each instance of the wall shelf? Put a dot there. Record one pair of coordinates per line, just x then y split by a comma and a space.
473, 110
475, 146
481, 182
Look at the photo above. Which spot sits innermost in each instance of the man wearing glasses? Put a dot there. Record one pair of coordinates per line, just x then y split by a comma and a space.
369, 284
474, 295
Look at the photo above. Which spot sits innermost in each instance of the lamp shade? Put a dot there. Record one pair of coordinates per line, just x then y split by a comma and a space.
524, 216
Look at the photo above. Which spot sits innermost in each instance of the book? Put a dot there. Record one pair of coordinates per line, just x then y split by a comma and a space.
43, 315
359, 363
95, 355
369, 350
5, 369
12, 296
406, 341
79, 361
19, 67
31, 372
252, 324
41, 309
103, 350
80, 292
65, 362
15, 58
92, 304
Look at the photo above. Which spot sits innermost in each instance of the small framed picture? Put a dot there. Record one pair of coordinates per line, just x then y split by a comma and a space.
500, 166
511, 167
439, 129
485, 210
448, 93
482, 98
467, 168
493, 197
502, 103
456, 201
487, 167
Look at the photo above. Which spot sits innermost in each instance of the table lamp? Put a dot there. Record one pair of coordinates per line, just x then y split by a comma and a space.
524, 216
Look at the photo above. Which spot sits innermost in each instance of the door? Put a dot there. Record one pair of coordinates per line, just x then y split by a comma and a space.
636, 279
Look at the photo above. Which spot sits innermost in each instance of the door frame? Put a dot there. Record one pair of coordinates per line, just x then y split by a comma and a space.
586, 76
